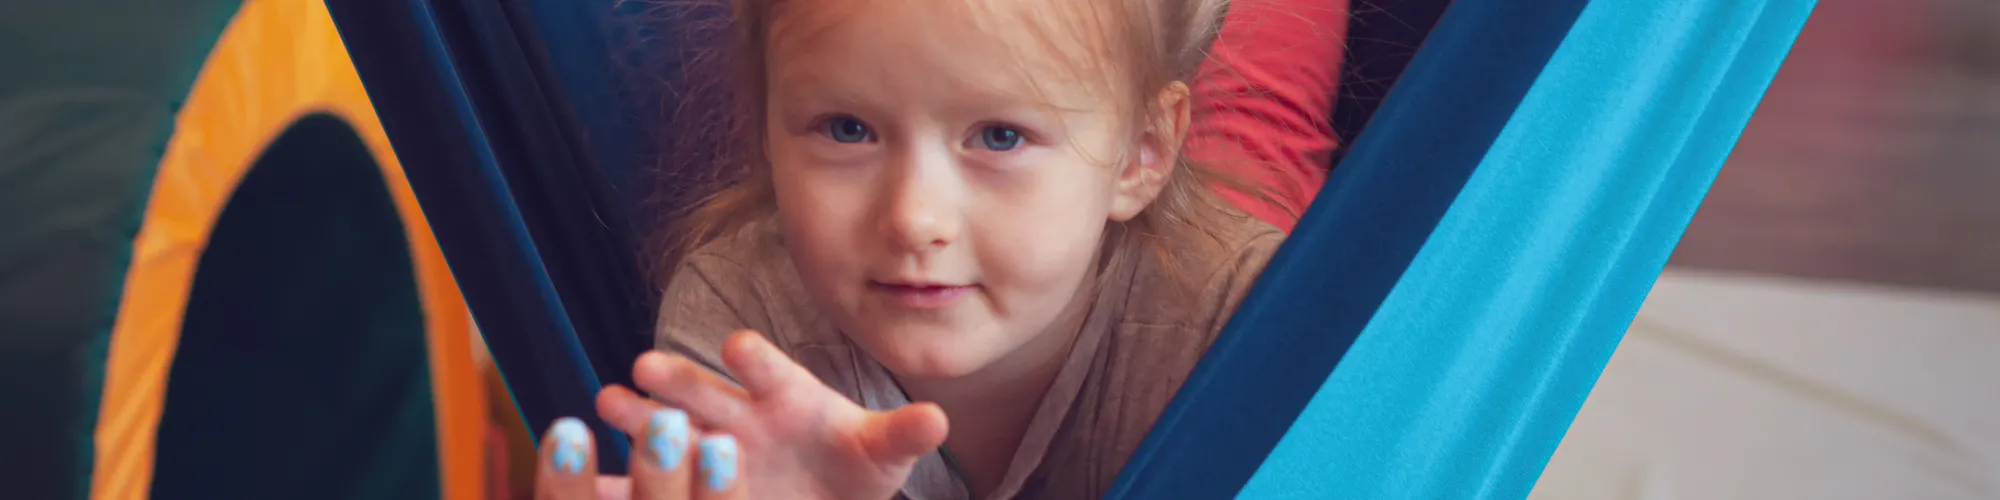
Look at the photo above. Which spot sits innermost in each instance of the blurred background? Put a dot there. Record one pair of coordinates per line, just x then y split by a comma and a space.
1827, 327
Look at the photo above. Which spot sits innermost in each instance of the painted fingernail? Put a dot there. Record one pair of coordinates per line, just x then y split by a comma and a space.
572, 444
667, 438
718, 461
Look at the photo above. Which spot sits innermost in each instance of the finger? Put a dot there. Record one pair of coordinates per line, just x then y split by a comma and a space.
902, 436
707, 398
720, 467
661, 468
567, 469
614, 488
625, 410
763, 369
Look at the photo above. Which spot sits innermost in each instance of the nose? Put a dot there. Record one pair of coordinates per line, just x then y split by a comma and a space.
922, 213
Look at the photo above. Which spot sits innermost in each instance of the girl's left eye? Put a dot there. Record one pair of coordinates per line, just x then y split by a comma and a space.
999, 138
847, 130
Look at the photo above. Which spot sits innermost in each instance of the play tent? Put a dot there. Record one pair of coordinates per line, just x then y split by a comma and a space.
224, 266
209, 262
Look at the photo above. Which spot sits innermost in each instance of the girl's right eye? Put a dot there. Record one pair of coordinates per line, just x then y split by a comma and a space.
847, 129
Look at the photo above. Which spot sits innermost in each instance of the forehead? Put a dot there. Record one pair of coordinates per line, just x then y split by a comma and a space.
1050, 50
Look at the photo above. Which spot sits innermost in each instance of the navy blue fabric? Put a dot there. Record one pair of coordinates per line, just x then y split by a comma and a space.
1382, 37
557, 113
577, 36
577, 221
1350, 249
620, 64
416, 87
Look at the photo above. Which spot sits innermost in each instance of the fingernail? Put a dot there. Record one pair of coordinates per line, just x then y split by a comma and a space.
572, 444
718, 461
667, 438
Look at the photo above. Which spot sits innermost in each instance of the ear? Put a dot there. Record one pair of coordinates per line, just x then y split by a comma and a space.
1144, 175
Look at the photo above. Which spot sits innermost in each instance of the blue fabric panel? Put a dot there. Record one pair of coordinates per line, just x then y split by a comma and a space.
621, 65
1464, 382
1382, 38
577, 223
409, 73
1377, 209
577, 39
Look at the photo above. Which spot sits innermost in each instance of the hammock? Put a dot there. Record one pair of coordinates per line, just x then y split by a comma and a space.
1428, 331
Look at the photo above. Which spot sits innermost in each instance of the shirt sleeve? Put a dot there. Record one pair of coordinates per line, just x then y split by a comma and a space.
1235, 280
1266, 100
697, 315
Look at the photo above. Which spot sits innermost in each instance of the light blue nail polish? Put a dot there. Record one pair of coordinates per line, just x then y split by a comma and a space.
718, 461
667, 438
572, 444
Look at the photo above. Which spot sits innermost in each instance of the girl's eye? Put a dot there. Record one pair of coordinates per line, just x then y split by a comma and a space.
849, 130
1000, 138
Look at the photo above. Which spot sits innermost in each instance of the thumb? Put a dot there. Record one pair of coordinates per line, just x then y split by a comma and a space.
614, 488
901, 436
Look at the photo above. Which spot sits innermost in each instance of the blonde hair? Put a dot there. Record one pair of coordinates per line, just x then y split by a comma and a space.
1161, 42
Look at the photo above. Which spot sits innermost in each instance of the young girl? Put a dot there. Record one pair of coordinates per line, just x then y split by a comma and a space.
977, 205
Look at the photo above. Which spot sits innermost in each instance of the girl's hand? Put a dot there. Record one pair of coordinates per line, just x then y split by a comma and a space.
663, 466
799, 439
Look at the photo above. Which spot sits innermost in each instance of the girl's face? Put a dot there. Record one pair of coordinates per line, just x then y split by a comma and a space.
945, 179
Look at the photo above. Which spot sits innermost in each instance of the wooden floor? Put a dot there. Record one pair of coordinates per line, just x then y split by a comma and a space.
1874, 157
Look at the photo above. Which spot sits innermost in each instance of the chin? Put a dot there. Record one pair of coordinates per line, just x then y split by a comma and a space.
935, 355
937, 368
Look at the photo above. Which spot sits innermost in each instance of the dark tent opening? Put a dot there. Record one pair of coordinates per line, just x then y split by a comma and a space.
302, 369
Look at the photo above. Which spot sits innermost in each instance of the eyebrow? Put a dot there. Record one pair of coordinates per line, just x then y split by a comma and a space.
807, 87
814, 87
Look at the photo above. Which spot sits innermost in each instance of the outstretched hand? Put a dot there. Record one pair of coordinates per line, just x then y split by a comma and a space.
788, 436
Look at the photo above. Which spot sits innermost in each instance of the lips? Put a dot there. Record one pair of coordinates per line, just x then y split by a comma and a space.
921, 295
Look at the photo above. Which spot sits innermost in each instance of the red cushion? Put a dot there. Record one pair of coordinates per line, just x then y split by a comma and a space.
1266, 100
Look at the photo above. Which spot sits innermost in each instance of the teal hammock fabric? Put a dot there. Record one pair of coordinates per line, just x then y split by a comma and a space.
1483, 247
1431, 327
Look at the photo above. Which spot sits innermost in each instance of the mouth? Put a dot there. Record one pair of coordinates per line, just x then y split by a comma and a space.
921, 295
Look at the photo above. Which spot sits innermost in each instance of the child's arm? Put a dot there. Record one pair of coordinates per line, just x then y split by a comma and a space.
802, 439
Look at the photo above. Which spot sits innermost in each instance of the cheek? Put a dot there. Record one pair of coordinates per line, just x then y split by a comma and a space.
1041, 265
810, 197
1044, 239
817, 218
